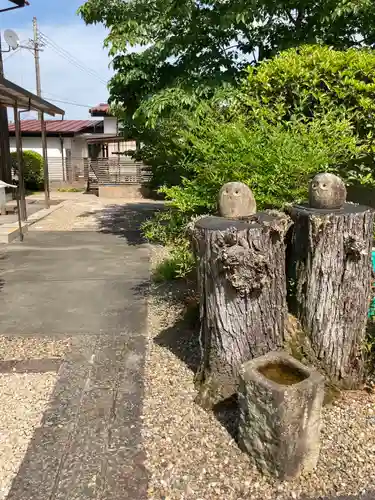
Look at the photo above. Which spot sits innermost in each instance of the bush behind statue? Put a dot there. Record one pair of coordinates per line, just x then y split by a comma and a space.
302, 112
33, 165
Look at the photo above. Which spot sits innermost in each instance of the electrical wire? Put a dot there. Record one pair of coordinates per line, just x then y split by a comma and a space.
45, 94
76, 64
46, 39
70, 58
17, 51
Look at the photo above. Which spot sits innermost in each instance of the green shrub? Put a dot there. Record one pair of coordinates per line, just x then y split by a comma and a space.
70, 190
178, 265
166, 228
311, 81
307, 110
276, 161
33, 165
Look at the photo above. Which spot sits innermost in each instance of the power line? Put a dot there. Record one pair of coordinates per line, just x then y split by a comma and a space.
61, 52
18, 50
70, 58
67, 102
12, 54
77, 65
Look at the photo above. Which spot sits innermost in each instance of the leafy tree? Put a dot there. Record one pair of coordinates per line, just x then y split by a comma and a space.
203, 44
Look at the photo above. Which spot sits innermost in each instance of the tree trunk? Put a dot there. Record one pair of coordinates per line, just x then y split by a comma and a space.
329, 270
242, 288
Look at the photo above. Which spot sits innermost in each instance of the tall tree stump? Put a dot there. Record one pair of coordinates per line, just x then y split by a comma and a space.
242, 288
329, 270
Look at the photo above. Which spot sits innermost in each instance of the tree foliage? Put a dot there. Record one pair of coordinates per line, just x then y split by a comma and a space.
200, 45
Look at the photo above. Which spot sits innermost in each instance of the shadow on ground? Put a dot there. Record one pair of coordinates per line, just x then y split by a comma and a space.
182, 338
228, 414
125, 220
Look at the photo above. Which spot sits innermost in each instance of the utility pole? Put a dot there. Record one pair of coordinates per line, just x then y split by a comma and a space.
5, 159
37, 62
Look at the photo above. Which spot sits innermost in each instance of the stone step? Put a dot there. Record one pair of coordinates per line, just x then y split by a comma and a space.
10, 232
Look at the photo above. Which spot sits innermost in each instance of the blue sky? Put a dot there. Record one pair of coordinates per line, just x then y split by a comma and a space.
61, 80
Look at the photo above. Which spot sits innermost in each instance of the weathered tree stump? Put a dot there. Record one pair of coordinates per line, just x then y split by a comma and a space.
242, 288
329, 269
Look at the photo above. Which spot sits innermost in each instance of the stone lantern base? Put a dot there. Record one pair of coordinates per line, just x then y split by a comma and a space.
280, 414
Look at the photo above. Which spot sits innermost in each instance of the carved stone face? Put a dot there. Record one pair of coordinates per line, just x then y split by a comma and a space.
327, 191
236, 200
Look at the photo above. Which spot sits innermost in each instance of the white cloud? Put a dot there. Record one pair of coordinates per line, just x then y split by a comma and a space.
60, 79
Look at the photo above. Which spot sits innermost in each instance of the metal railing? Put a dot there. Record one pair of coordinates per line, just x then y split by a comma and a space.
121, 170
68, 170
87, 172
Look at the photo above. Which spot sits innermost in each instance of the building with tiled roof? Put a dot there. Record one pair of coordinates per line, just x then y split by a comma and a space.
67, 145
59, 127
101, 109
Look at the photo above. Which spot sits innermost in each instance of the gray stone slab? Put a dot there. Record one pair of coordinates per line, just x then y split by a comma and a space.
38, 473
70, 307
109, 267
60, 256
89, 443
76, 240
30, 365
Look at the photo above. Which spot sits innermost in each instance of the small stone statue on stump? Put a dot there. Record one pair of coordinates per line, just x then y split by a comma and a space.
327, 191
329, 264
236, 201
242, 287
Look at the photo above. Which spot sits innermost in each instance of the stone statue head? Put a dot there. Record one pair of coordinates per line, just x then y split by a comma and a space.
327, 191
236, 201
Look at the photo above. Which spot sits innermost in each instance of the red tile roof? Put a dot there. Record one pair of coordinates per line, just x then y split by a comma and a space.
101, 109
56, 126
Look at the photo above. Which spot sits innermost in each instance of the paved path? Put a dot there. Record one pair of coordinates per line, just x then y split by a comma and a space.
78, 292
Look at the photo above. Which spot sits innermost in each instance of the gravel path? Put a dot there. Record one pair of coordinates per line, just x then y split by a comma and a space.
24, 399
191, 453
71, 352
84, 212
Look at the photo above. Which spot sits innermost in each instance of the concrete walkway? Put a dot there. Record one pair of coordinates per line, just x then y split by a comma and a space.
72, 307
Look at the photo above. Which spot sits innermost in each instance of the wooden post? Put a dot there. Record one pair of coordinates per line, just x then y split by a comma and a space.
329, 269
242, 287
45, 163
21, 176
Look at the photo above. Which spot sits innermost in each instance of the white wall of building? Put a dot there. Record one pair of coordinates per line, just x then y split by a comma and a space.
110, 125
35, 144
73, 148
53, 152
77, 147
